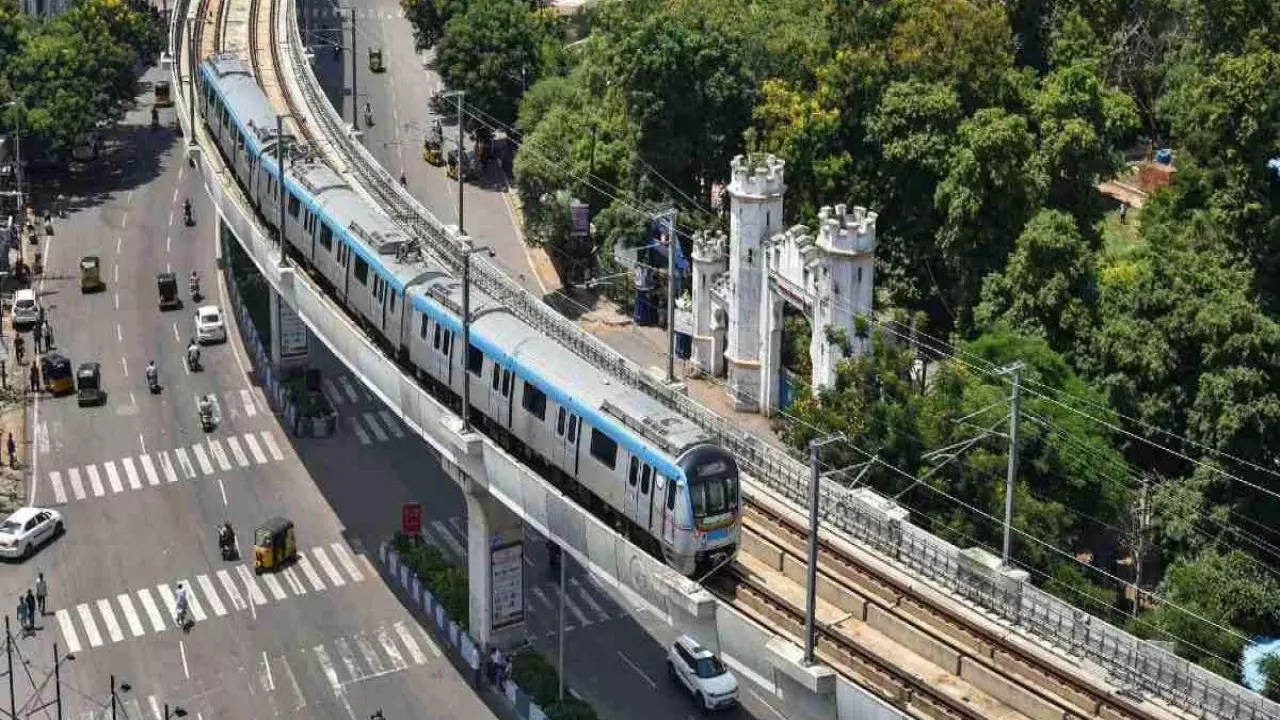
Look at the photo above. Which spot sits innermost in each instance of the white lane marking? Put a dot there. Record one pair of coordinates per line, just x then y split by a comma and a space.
255, 593
447, 535
360, 433
327, 666
109, 619
215, 447
573, 608
94, 481
193, 601
130, 615
168, 240
155, 707
344, 557
42, 437
187, 468
182, 648
233, 592
293, 681
537, 592
119, 333
76, 487
639, 672
346, 387
115, 273
150, 469
119, 242
294, 583
223, 489
407, 639
331, 391
372, 421
125, 365
170, 603
153, 612
68, 631
255, 449
586, 596
241, 459
389, 647
310, 572
392, 423
371, 657
268, 682
249, 408
177, 338
348, 657
205, 466
166, 465
274, 586
328, 567
113, 477
132, 473
132, 399
117, 300
271, 445
87, 622
55, 481
215, 603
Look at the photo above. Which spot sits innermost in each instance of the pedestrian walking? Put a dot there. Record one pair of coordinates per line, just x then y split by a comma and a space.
35, 377
1124, 212
36, 333
47, 332
19, 348
31, 608
42, 592
13, 452
22, 613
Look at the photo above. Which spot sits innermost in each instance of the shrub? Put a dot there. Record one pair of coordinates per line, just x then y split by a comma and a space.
445, 582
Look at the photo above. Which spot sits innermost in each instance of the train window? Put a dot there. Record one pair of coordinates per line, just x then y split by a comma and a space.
422, 330
646, 474
635, 471
496, 369
240, 142
671, 496
506, 383
573, 428
393, 302
534, 401
294, 206
604, 449
475, 360
362, 271
435, 341
326, 237
447, 345
560, 422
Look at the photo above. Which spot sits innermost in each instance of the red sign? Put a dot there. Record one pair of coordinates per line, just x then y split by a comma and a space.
411, 518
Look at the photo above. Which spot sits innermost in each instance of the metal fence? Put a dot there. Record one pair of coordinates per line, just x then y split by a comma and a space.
1139, 666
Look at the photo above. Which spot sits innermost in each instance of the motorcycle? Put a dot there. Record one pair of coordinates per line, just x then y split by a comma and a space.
206, 419
186, 214
227, 542
195, 291
153, 382
193, 360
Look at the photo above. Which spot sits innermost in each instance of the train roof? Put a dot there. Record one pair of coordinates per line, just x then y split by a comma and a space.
240, 91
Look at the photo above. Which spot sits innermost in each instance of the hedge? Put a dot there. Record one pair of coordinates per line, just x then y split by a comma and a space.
536, 677
445, 582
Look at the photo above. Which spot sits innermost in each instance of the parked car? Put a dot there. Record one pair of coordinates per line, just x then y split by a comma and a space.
209, 327
25, 309
27, 529
702, 674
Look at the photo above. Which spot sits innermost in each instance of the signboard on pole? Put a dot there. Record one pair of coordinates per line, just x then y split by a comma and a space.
293, 334
411, 518
506, 565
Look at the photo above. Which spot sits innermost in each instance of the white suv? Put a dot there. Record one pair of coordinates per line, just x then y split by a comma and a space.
209, 327
702, 674
25, 309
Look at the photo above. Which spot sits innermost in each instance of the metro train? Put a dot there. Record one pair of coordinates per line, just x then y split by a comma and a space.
646, 469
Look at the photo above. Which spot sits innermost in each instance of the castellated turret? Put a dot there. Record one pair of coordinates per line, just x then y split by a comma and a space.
843, 285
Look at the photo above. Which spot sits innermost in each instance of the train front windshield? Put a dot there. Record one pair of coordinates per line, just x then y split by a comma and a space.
714, 489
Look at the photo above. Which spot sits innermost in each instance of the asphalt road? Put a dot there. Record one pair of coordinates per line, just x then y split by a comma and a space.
142, 489
615, 660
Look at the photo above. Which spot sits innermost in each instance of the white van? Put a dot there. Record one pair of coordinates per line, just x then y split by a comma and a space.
25, 309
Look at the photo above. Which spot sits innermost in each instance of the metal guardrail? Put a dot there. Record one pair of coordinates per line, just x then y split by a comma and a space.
1137, 665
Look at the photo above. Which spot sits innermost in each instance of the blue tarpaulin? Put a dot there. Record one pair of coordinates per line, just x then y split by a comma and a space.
1251, 661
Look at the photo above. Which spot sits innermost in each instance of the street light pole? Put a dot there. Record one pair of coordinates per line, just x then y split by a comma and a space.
811, 586
671, 297
560, 655
460, 93
355, 96
1012, 475
280, 163
467, 251
191, 94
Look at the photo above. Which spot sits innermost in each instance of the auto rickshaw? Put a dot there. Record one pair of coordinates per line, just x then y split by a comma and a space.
273, 545
57, 374
167, 285
89, 385
163, 94
432, 145
90, 277
375, 60
468, 165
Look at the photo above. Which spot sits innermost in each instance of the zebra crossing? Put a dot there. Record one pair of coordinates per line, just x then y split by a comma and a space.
165, 466
373, 425
217, 594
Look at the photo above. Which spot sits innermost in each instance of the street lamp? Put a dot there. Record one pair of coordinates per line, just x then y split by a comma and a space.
810, 604
458, 94
467, 251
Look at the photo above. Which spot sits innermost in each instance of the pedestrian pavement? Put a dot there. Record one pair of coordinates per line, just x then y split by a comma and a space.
219, 593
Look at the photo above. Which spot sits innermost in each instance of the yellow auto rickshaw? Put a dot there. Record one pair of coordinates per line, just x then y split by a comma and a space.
432, 145
273, 544
163, 94
375, 60
90, 275
57, 374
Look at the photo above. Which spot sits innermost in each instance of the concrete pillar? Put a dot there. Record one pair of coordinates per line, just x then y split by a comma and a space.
495, 569
290, 339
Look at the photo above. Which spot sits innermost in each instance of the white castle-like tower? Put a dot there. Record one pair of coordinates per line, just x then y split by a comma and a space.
738, 292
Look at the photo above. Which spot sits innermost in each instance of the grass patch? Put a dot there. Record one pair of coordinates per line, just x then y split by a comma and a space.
1119, 240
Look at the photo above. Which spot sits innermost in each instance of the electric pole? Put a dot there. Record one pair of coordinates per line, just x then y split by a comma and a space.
1011, 479
355, 96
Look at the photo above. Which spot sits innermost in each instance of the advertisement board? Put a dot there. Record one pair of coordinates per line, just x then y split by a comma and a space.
506, 564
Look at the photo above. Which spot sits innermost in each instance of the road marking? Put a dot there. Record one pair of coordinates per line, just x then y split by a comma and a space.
233, 592
344, 557
293, 681
215, 448
109, 619
371, 657
119, 333
407, 638
171, 218
182, 648
87, 622
327, 666
153, 612
42, 437
185, 462
94, 481
68, 631
269, 683
142, 442
113, 477
115, 273
55, 481
222, 489
119, 242
255, 594
328, 567
346, 387
166, 595
310, 572
130, 615
215, 603
372, 421
331, 391
391, 422
582, 590
537, 592
77, 488
274, 586
166, 465
150, 469
124, 364
168, 241
271, 445
132, 472
348, 657
132, 399
205, 466
388, 646
178, 338
241, 459
573, 608
639, 672
255, 449
155, 707
360, 433
192, 601
444, 532
117, 300
249, 408
294, 584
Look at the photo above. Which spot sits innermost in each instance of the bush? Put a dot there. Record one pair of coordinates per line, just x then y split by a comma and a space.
536, 677
571, 709
445, 582
311, 403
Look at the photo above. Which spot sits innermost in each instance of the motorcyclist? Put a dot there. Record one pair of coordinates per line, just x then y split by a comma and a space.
186, 209
153, 377
193, 354
226, 536
195, 284
155, 118
402, 180
206, 409
368, 113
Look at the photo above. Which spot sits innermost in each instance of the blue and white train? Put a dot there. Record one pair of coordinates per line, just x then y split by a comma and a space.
621, 453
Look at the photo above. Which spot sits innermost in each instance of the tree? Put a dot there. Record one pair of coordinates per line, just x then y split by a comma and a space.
491, 51
960, 42
429, 17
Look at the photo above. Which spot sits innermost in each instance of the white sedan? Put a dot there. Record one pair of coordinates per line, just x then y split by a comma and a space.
209, 327
27, 529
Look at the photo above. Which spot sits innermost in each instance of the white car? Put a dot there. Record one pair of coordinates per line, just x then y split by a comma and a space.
209, 327
702, 674
27, 529
25, 309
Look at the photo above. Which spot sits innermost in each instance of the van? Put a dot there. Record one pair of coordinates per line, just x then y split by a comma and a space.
25, 309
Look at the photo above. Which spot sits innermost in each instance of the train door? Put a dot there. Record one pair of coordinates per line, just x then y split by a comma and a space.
668, 511
446, 352
571, 446
644, 500
500, 396
629, 492
437, 363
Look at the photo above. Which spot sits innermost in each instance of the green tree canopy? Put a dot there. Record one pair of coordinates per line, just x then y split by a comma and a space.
492, 51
